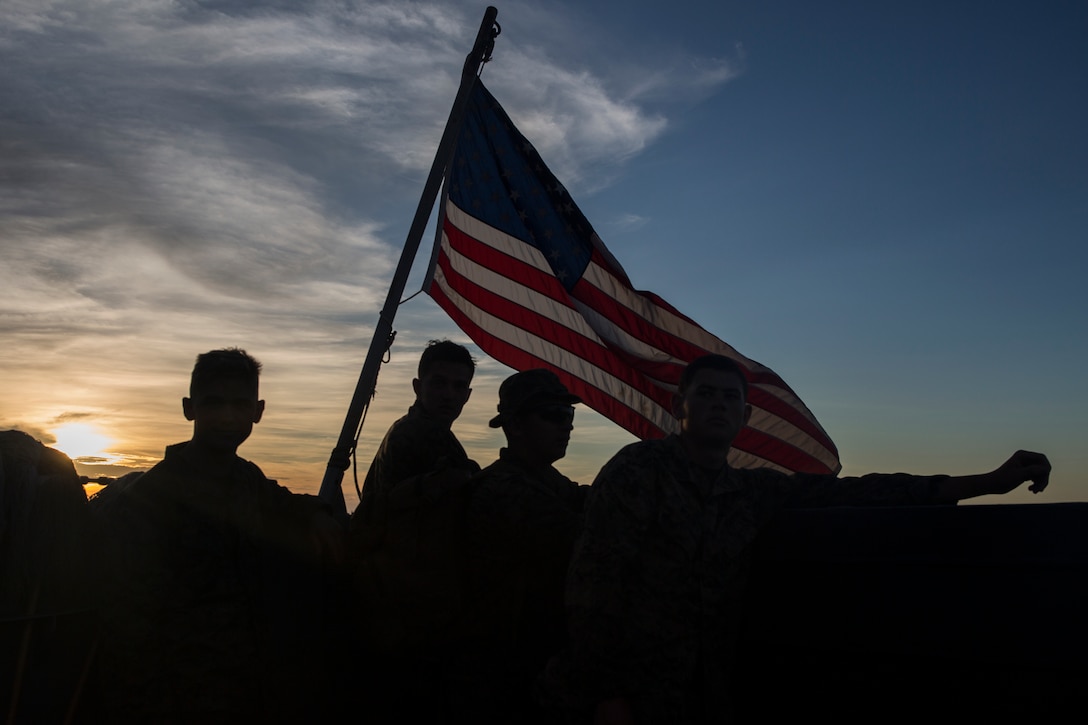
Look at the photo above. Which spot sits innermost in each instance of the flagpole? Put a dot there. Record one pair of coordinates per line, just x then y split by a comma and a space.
331, 491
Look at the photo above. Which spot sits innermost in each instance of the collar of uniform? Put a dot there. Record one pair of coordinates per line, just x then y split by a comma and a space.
704, 480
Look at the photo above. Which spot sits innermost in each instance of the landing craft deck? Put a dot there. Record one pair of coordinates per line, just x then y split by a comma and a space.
974, 610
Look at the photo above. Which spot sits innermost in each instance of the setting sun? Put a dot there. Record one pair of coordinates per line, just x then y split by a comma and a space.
81, 440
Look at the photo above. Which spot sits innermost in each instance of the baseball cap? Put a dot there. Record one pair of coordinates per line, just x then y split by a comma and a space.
529, 389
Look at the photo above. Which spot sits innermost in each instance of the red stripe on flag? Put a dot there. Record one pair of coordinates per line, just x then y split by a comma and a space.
519, 359
529, 319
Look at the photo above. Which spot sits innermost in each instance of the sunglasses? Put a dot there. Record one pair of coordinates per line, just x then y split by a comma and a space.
559, 414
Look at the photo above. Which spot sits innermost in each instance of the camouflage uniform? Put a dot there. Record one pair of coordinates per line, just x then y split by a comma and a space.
393, 585
415, 444
656, 585
202, 606
523, 524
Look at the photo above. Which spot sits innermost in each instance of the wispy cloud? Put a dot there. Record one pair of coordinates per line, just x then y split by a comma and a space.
630, 222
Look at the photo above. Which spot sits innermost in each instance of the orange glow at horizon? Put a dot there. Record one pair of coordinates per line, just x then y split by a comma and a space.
82, 440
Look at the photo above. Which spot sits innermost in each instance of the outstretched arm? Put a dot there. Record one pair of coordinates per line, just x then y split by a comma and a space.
1021, 466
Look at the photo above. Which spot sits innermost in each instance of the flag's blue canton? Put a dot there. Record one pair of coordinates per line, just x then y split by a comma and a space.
498, 177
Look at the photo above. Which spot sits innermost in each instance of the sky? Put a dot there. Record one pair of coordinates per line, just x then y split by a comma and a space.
886, 203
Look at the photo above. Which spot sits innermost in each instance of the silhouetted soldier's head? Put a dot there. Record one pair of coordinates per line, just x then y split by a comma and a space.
223, 399
536, 413
711, 401
231, 363
444, 377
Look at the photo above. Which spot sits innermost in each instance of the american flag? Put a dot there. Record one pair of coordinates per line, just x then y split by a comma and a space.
520, 270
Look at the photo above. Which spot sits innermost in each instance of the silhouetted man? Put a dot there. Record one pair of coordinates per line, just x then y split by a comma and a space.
656, 583
399, 562
421, 442
215, 572
523, 519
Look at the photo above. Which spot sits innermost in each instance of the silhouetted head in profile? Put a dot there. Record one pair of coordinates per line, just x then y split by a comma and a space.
536, 414
444, 376
223, 402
